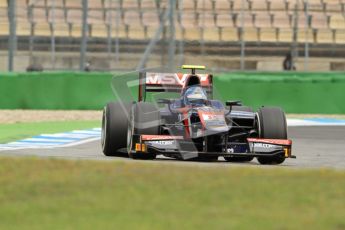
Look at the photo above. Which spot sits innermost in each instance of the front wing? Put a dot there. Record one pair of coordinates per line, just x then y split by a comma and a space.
177, 146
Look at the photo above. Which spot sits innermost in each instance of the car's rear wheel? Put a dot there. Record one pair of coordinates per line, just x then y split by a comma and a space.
240, 158
144, 119
114, 128
272, 125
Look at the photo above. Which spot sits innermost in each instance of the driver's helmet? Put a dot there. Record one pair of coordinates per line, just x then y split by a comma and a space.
194, 95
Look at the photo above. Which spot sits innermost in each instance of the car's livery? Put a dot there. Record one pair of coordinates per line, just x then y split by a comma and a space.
194, 125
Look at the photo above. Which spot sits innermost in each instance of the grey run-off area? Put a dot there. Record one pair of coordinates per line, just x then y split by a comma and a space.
314, 146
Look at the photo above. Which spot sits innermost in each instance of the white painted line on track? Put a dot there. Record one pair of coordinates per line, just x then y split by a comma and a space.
18, 147
315, 122
66, 135
88, 132
42, 139
46, 141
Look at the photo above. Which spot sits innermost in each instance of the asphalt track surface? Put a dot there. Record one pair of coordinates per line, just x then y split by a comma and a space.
315, 147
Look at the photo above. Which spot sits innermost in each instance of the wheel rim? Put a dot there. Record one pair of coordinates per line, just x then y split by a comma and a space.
258, 124
104, 129
130, 133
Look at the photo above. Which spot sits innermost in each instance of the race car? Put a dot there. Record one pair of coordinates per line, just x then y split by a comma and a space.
192, 125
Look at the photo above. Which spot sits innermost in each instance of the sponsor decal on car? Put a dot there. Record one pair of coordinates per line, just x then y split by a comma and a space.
212, 117
162, 142
230, 150
160, 137
267, 145
213, 120
173, 79
263, 145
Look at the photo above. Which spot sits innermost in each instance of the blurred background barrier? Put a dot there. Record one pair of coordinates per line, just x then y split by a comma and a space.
321, 93
60, 90
296, 92
55, 38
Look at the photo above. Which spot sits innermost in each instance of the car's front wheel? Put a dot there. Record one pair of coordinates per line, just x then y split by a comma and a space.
272, 125
114, 128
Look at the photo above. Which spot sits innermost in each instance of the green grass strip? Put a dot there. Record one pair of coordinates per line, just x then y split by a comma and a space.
58, 194
12, 132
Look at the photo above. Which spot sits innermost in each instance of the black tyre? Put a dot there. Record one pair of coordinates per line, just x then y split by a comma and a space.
114, 128
145, 119
240, 158
272, 125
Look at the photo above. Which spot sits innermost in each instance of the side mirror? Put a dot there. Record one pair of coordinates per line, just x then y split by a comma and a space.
232, 103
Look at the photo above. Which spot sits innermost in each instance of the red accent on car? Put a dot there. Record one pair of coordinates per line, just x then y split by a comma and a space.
160, 137
211, 115
186, 123
271, 141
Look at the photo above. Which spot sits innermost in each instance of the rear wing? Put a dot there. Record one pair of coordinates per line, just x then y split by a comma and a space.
170, 82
